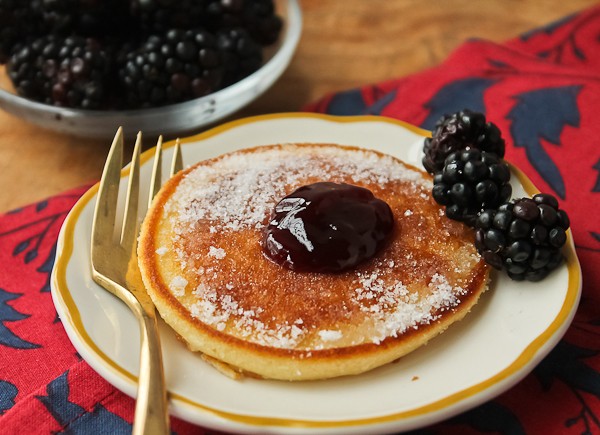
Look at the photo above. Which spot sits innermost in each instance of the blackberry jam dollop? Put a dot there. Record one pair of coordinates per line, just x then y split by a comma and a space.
327, 227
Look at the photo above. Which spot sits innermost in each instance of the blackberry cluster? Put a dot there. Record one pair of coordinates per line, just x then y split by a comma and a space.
471, 179
84, 17
171, 68
69, 72
240, 54
256, 16
459, 131
19, 21
159, 16
523, 236
130, 54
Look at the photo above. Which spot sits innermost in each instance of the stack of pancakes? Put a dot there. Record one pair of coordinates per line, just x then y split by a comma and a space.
202, 262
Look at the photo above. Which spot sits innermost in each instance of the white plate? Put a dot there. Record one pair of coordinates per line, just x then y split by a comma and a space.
509, 331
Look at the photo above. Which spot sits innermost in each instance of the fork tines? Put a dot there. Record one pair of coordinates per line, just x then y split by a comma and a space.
176, 166
103, 250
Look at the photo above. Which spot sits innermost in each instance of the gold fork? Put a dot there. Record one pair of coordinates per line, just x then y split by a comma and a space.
114, 267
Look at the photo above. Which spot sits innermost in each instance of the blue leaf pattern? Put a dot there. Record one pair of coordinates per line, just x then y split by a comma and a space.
46, 268
21, 247
75, 419
543, 114
565, 364
41, 205
347, 103
455, 96
30, 256
9, 314
548, 29
377, 107
8, 392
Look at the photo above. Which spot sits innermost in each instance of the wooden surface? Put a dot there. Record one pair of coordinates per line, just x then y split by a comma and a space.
344, 44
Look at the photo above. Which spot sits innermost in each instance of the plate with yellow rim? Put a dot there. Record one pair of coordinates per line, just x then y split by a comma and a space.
498, 343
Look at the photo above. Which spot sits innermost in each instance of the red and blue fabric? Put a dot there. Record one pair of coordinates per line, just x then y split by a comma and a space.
541, 89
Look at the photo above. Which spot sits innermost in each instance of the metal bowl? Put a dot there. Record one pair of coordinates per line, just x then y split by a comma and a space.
171, 119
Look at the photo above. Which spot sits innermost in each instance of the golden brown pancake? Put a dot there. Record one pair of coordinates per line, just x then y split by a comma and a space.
202, 262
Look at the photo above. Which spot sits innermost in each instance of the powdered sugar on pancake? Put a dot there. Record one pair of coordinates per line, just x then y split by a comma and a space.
238, 192
240, 189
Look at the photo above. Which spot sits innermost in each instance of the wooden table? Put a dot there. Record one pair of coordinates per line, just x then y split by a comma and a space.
345, 43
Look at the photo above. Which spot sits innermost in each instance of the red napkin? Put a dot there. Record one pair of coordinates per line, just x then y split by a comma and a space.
542, 90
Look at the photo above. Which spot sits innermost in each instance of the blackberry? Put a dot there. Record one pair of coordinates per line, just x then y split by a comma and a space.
258, 17
470, 181
68, 72
86, 17
159, 16
459, 131
241, 56
261, 21
177, 66
19, 21
523, 236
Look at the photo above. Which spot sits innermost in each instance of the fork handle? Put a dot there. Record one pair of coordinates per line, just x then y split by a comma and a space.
151, 409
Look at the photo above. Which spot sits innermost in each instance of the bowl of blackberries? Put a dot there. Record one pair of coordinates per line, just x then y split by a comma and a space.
85, 67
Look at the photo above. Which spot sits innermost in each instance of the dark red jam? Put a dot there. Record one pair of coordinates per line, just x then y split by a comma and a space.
327, 227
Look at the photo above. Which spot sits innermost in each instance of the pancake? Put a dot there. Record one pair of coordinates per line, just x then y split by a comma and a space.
202, 263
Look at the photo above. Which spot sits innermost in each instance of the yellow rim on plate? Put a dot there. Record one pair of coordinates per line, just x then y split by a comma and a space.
74, 317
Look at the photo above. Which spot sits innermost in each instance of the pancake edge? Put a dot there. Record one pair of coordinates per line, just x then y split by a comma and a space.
260, 361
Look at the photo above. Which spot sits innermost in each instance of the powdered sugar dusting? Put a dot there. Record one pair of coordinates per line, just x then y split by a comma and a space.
391, 306
408, 310
162, 251
218, 253
178, 285
328, 335
239, 191
249, 184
